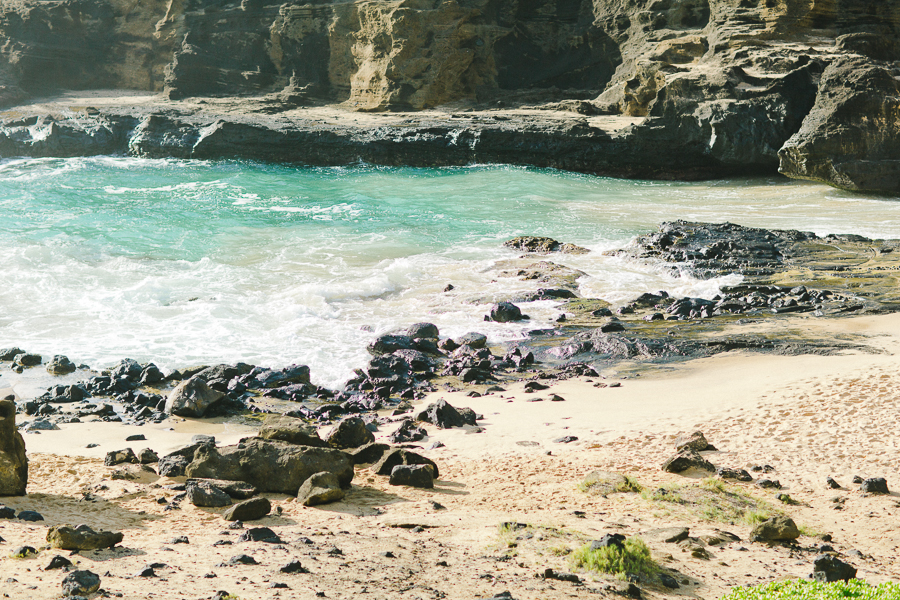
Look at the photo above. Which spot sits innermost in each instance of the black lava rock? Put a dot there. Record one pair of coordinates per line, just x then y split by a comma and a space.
830, 568
420, 476
875, 485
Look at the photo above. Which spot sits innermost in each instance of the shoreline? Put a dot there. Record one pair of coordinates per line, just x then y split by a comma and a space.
791, 397
774, 413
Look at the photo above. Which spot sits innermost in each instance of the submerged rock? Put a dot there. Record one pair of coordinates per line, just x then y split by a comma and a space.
505, 312
60, 365
542, 245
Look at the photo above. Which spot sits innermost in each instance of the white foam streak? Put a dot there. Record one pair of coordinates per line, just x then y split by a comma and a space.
190, 262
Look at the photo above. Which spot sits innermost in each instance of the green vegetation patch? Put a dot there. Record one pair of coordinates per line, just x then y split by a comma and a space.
713, 500
632, 559
807, 589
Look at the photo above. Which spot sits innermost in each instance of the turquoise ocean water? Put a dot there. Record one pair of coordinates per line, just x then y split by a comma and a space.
192, 262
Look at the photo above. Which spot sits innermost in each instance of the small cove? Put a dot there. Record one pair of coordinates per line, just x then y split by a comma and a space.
186, 262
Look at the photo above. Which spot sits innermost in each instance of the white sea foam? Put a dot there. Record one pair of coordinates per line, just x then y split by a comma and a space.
189, 262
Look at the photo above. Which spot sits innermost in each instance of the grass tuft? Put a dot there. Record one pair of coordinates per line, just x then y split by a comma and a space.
715, 501
602, 482
633, 559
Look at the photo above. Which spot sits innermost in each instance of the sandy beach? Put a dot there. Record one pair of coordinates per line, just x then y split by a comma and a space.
806, 417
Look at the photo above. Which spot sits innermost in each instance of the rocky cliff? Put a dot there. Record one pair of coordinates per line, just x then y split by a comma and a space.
807, 87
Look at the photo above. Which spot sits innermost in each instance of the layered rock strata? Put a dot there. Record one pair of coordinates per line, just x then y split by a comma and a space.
712, 87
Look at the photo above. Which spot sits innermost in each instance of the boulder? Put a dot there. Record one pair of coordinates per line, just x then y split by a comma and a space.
776, 529
473, 340
399, 456
172, 466
80, 583
260, 534
388, 343
117, 457
407, 432
445, 416
270, 378
370, 453
696, 442
248, 510
420, 476
350, 433
127, 368
13, 463
828, 568
422, 330
270, 465
236, 489
65, 393
505, 312
616, 540
874, 485
191, 398
729, 473
58, 562
9, 354
27, 360
175, 463
687, 459
201, 493
320, 488
60, 365
291, 430
147, 456
65, 537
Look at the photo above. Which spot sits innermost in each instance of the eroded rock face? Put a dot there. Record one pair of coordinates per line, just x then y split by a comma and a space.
13, 463
850, 139
700, 88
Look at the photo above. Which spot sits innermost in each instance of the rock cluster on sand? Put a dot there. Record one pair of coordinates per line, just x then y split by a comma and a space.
13, 462
269, 465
